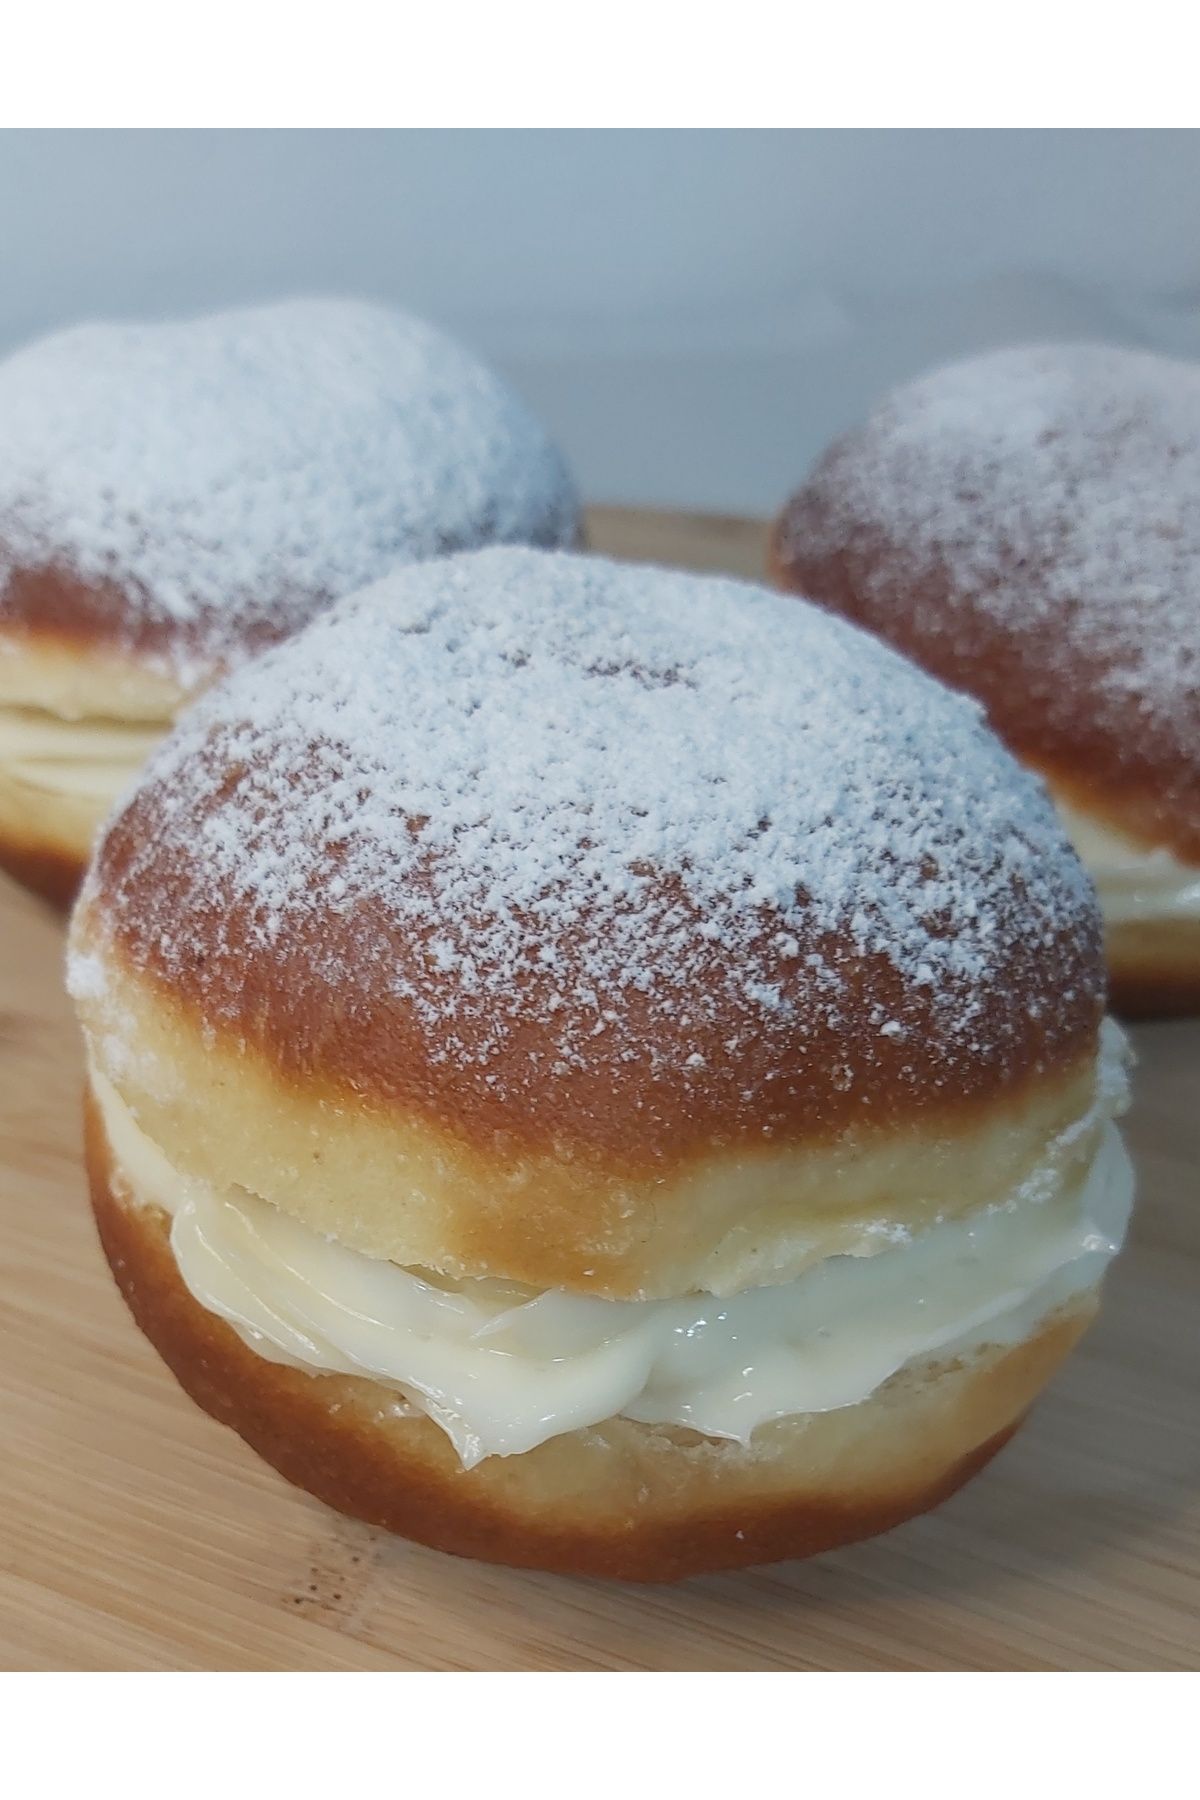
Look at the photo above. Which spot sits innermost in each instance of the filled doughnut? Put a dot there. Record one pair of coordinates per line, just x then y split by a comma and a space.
599, 1068
175, 497
1025, 525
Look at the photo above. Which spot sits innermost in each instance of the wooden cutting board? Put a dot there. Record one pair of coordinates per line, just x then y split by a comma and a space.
137, 1534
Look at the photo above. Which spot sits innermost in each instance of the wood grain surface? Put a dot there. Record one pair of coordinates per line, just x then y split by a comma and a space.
137, 1534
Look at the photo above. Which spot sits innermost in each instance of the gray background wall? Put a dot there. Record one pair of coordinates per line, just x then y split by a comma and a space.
694, 312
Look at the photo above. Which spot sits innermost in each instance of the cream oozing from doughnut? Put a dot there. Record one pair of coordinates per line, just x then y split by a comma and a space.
502, 1368
1134, 883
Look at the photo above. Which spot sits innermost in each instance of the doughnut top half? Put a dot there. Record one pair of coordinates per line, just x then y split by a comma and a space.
1026, 524
184, 493
567, 854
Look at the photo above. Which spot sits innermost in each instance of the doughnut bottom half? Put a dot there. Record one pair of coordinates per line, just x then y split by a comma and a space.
622, 1499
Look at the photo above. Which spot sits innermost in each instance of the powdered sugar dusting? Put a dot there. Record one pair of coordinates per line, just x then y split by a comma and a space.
626, 802
230, 474
1057, 488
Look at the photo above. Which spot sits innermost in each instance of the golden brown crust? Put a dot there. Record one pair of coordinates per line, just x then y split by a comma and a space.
1130, 783
1124, 757
623, 1500
641, 1027
52, 607
921, 942
189, 492
384, 1181
810, 1072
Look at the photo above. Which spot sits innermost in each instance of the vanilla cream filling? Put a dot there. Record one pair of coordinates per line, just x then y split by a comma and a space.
1133, 883
502, 1368
88, 759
